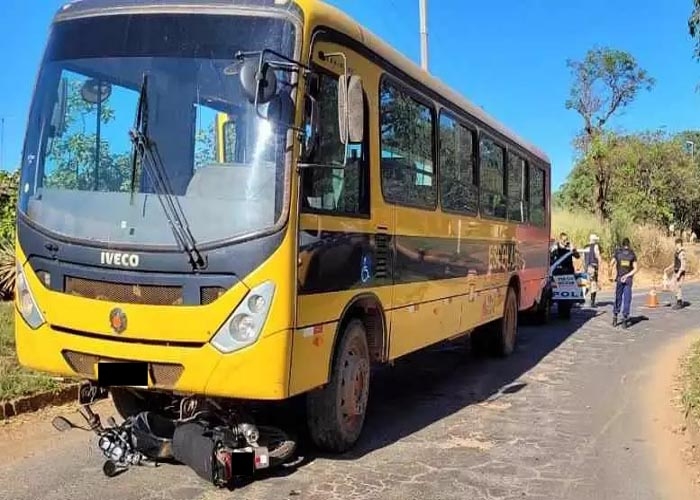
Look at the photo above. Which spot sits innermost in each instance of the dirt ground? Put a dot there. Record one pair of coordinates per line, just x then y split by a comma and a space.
677, 442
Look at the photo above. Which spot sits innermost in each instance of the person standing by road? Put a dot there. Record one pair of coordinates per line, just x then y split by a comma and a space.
679, 268
563, 247
625, 263
593, 260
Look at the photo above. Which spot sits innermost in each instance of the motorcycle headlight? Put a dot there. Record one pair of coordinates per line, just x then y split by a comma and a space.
242, 328
25, 301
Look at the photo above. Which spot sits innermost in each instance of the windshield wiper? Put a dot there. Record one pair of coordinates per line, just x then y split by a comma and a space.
145, 151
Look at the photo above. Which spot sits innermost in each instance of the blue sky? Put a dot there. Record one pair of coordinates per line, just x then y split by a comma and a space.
508, 56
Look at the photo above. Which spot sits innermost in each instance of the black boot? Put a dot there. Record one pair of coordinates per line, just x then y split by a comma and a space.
678, 305
614, 319
593, 299
625, 323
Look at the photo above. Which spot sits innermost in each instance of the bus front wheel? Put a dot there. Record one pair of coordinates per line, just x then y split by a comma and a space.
336, 412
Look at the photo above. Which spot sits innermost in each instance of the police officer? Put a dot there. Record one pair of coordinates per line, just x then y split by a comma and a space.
679, 268
625, 262
593, 260
563, 247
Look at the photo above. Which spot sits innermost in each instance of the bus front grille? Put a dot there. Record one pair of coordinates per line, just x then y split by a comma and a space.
162, 374
124, 293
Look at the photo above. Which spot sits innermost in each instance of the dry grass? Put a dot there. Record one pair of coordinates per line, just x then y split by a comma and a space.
691, 382
16, 381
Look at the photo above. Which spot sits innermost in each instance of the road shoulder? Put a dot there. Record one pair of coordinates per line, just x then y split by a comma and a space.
676, 465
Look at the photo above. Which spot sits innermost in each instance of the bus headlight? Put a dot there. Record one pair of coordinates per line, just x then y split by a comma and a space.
25, 302
245, 324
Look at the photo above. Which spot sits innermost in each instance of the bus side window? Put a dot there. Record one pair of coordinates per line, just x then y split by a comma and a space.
517, 210
538, 203
407, 163
458, 187
492, 176
334, 190
226, 138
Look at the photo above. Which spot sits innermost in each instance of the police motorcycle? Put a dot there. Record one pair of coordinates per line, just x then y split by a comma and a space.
219, 444
566, 288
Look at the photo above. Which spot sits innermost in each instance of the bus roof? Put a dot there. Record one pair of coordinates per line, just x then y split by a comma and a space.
335, 18
338, 20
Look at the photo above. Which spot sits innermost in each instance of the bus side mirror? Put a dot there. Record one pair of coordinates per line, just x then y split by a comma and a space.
258, 81
351, 109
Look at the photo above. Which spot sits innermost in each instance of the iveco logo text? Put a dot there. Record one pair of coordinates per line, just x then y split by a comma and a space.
119, 259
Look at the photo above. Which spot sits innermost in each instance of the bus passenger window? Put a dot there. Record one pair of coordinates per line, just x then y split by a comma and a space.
335, 190
407, 163
537, 196
493, 196
517, 209
458, 190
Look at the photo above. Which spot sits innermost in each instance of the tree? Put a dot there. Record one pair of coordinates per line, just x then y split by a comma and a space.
650, 179
72, 161
604, 83
694, 27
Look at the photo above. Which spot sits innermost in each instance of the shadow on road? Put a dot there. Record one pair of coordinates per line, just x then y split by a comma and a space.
425, 387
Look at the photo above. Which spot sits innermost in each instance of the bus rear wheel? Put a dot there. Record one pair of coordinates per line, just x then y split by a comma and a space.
498, 338
336, 412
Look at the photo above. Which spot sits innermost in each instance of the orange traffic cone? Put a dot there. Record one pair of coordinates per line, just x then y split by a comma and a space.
652, 299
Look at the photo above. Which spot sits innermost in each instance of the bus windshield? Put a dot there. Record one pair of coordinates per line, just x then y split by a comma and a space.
224, 165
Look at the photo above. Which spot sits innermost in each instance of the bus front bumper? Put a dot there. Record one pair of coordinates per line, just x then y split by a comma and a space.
260, 371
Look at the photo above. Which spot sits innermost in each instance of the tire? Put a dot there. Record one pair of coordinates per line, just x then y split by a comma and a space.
543, 312
498, 338
564, 310
330, 425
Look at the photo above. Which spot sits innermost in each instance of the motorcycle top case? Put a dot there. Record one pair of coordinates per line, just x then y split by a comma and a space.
206, 451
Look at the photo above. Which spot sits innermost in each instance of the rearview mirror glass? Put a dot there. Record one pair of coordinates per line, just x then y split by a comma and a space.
62, 424
351, 109
94, 91
263, 85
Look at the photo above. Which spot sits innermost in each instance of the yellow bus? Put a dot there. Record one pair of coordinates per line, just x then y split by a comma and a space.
258, 200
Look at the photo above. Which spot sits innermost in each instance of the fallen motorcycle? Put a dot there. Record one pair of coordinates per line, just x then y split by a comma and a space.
218, 445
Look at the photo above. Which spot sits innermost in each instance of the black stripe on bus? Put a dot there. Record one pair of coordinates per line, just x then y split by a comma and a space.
336, 261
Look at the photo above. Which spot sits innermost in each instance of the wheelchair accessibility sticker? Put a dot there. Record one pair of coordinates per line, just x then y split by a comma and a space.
366, 268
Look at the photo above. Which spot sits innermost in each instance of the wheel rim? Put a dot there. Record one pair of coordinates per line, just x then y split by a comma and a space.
354, 385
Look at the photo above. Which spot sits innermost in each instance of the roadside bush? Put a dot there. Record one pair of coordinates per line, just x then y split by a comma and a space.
8, 205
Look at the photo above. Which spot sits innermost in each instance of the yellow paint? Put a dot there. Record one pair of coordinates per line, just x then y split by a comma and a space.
311, 357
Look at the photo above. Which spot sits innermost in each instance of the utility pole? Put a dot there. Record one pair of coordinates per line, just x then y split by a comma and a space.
424, 34
2, 143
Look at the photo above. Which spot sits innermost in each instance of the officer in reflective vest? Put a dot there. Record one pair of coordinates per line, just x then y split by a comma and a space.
679, 268
593, 260
625, 263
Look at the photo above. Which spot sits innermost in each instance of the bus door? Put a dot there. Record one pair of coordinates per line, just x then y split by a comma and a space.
344, 243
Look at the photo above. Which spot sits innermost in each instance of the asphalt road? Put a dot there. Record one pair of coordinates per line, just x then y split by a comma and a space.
560, 419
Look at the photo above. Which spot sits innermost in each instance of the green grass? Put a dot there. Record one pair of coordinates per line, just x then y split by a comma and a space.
16, 381
691, 382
